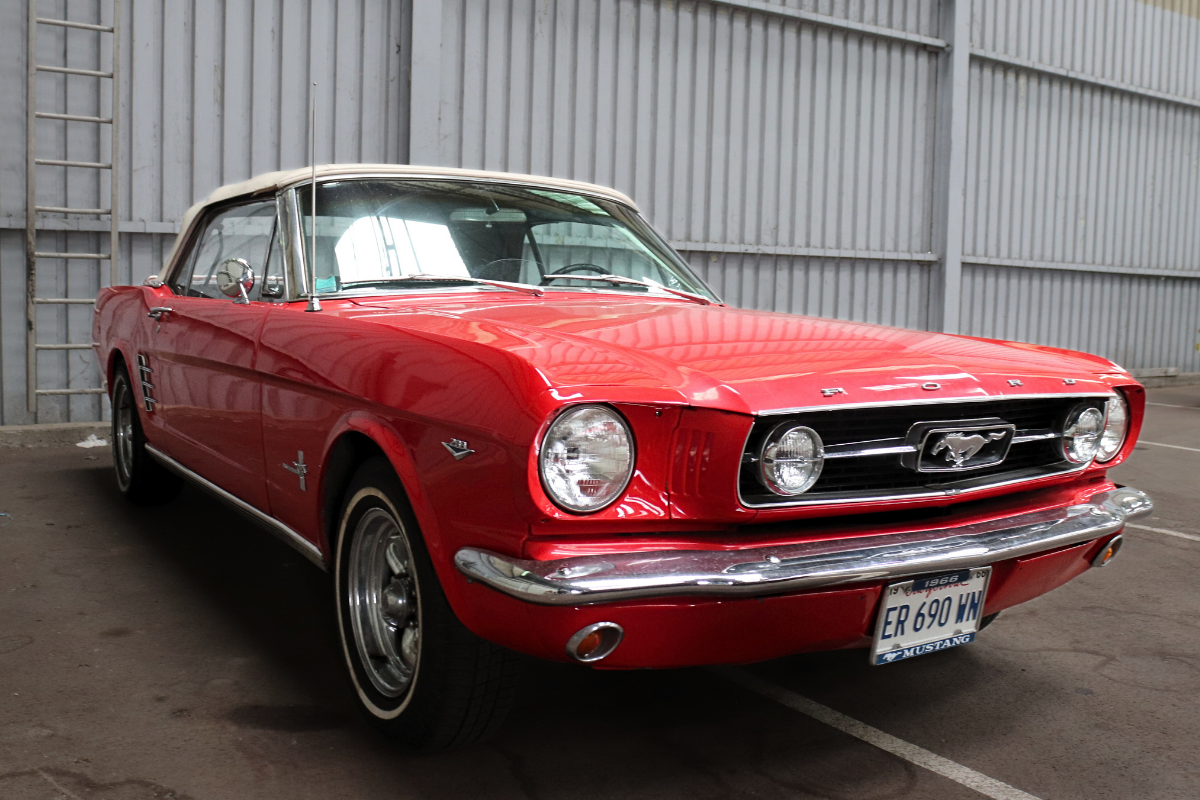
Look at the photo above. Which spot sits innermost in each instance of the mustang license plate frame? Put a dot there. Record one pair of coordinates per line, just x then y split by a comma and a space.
924, 615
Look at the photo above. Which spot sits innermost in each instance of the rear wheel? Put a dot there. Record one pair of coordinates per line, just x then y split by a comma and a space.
420, 675
139, 477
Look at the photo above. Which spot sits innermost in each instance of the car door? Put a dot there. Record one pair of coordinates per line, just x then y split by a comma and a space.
203, 351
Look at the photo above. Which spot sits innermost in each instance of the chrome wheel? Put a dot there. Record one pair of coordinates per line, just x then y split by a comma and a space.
383, 598
123, 413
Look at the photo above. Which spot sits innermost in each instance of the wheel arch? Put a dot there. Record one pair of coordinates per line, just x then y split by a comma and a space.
115, 358
354, 441
348, 452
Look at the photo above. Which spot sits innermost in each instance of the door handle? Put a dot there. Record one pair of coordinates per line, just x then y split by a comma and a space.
157, 311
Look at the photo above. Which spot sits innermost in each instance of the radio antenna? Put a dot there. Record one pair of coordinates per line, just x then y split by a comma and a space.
314, 304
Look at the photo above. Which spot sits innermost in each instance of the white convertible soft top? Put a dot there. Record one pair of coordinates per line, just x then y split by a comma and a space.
274, 181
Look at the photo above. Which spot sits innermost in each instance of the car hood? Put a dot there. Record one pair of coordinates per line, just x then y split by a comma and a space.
749, 361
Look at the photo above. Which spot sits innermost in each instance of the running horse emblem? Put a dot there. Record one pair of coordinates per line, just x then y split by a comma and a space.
959, 447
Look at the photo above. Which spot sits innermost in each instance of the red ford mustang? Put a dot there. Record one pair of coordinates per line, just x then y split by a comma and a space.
507, 417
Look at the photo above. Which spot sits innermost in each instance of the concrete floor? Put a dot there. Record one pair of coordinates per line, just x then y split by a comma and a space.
182, 653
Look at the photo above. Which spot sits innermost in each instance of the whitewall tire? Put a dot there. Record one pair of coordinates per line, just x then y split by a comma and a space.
420, 675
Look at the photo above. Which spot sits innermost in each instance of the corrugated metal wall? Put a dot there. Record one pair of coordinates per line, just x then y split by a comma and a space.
792, 160
1083, 178
213, 91
763, 146
793, 150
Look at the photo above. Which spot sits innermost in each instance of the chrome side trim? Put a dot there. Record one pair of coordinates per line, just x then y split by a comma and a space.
773, 570
932, 401
281, 531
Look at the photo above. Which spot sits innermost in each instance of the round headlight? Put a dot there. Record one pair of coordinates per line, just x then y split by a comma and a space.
791, 458
1081, 437
586, 459
1116, 423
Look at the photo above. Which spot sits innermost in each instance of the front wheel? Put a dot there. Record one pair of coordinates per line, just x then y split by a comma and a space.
420, 675
139, 477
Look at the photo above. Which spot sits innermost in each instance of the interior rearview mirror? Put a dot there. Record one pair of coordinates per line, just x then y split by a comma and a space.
235, 278
487, 215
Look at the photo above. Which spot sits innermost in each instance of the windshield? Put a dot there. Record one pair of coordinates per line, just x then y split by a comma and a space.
376, 234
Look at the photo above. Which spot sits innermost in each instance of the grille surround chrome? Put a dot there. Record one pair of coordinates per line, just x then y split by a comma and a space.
903, 449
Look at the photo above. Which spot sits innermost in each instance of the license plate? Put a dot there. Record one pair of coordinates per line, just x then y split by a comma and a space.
925, 615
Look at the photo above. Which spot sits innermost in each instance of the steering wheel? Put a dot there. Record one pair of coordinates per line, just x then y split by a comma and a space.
569, 268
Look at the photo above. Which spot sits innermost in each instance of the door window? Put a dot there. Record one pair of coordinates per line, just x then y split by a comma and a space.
272, 287
243, 232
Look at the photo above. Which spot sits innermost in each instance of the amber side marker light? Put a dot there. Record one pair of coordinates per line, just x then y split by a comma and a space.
1109, 552
595, 641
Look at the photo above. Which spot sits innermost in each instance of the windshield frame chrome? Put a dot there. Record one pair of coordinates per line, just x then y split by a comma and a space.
296, 253
655, 239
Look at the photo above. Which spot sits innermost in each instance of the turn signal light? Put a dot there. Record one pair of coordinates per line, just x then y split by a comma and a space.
595, 641
1108, 553
589, 645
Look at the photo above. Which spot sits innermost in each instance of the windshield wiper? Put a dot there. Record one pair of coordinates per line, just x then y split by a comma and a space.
621, 280
431, 278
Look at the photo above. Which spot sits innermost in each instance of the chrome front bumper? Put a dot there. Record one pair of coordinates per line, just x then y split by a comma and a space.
813, 565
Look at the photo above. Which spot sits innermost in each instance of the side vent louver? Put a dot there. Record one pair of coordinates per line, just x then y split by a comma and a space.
147, 386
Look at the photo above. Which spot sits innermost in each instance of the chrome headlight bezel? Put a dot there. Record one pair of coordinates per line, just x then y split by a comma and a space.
768, 461
546, 453
1082, 432
1116, 428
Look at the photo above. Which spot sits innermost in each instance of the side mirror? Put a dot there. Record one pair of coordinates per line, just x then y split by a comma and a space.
235, 278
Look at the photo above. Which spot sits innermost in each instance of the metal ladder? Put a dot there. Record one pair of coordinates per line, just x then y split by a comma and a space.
35, 214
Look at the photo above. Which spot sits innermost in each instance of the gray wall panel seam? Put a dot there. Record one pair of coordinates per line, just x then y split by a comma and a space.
1080, 267
1080, 77
827, 21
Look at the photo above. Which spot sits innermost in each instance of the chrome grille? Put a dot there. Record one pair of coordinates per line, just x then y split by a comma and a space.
865, 449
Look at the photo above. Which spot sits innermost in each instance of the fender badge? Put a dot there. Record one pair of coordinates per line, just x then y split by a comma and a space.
931, 386
299, 469
832, 392
1014, 382
1069, 381
458, 448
